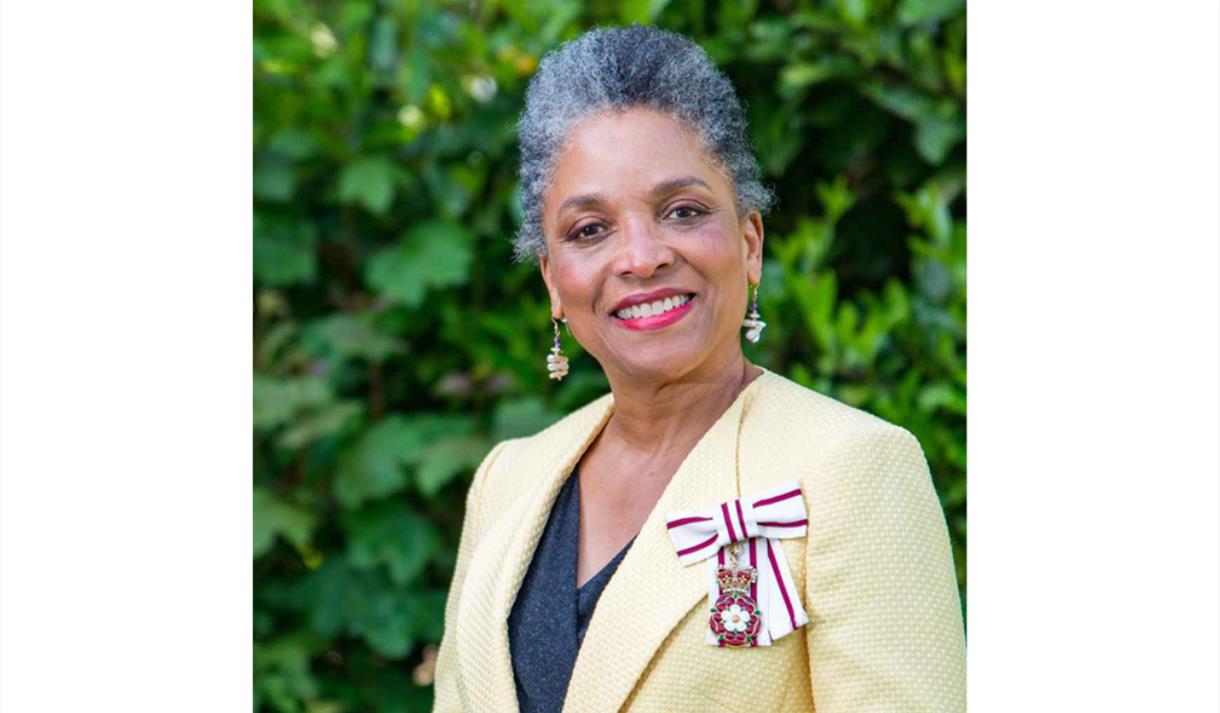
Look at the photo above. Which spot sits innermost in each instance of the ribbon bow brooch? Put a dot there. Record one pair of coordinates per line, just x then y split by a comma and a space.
750, 591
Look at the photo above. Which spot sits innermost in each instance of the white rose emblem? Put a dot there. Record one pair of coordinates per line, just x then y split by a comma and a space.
735, 618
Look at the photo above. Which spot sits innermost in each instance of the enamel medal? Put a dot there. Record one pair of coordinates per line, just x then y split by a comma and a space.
736, 618
737, 591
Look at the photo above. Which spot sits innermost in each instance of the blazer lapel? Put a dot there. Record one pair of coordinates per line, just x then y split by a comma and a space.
504, 553
650, 592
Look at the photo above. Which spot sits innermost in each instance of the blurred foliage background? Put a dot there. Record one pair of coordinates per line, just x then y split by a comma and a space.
395, 342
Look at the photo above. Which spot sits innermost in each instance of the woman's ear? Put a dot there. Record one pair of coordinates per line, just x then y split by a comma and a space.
544, 266
752, 232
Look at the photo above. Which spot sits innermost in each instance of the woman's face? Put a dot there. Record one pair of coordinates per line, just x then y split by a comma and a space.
636, 212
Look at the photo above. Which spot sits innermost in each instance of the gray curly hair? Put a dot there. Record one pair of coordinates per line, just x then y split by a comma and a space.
620, 68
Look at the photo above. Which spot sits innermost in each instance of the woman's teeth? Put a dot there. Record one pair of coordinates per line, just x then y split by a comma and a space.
651, 309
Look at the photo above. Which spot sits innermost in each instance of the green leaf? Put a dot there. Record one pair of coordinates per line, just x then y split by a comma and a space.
803, 74
274, 341
808, 73
935, 136
428, 627
941, 395
446, 458
818, 303
369, 182
854, 12
455, 188
836, 197
818, 20
561, 15
913, 12
928, 209
387, 621
376, 465
904, 101
430, 255
640, 11
365, 604
327, 421
857, 395
277, 401
514, 205
352, 336
383, 44
282, 675
521, 417
438, 446
394, 536
848, 319
275, 517
939, 125
897, 301
274, 179
329, 589
283, 251
736, 15
771, 40
293, 143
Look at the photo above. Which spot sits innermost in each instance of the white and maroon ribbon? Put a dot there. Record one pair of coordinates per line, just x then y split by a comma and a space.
758, 522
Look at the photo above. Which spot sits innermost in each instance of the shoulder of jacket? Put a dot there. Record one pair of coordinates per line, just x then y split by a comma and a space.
787, 400
812, 432
513, 470
847, 461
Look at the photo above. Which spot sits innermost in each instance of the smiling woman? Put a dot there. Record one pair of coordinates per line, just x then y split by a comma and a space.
709, 532
636, 212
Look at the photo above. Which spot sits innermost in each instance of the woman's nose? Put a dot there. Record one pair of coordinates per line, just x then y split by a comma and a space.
641, 249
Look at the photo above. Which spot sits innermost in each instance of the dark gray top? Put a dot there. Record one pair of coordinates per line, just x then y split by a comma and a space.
550, 616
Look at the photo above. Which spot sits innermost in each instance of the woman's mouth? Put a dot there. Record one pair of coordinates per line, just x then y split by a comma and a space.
656, 314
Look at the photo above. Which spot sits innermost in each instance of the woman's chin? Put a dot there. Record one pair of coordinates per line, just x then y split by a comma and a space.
662, 367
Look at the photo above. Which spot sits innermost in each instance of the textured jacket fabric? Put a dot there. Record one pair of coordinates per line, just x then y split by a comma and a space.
875, 572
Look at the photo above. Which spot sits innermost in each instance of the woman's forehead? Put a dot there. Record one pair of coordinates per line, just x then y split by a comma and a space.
631, 153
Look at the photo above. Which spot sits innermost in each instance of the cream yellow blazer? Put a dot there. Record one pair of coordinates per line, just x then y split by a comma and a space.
875, 572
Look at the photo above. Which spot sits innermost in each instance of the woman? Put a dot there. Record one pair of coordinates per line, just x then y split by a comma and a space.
649, 551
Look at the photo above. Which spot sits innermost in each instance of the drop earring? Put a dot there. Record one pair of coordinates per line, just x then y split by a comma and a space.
556, 362
754, 326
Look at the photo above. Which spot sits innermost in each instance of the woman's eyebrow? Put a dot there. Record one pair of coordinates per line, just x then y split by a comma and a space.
584, 200
592, 200
676, 184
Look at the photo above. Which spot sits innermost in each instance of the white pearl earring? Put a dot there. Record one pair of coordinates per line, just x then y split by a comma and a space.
556, 362
754, 326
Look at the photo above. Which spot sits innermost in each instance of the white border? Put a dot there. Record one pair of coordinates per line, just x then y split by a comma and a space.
1094, 348
125, 400
124, 370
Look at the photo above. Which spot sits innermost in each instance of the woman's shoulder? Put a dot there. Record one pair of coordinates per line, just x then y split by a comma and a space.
798, 429
788, 405
515, 465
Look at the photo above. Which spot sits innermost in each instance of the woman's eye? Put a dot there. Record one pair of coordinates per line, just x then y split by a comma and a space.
685, 212
587, 231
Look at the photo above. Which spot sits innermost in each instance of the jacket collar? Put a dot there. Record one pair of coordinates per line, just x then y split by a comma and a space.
649, 593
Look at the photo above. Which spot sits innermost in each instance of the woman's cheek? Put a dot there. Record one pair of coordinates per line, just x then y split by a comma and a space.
707, 245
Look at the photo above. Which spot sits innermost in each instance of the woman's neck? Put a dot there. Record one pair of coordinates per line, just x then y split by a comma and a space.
663, 418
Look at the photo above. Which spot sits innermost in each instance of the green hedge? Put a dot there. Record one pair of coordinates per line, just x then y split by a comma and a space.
395, 342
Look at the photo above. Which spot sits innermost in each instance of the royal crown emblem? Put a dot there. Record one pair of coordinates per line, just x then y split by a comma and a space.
736, 618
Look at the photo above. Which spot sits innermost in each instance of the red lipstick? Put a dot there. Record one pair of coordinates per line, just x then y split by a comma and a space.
658, 321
